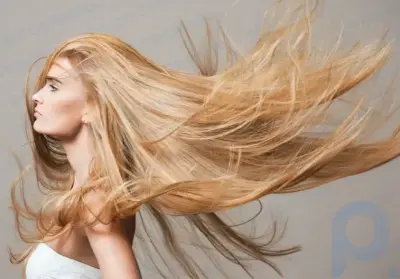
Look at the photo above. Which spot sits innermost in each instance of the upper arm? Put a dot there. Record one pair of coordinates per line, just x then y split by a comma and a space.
113, 250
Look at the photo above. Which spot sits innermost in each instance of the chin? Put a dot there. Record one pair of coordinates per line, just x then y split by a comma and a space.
35, 127
38, 129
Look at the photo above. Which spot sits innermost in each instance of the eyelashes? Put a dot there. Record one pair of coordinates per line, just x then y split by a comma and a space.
53, 88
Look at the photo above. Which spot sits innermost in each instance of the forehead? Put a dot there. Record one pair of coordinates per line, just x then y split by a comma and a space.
63, 70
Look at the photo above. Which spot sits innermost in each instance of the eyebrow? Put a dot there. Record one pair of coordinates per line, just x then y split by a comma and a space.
51, 78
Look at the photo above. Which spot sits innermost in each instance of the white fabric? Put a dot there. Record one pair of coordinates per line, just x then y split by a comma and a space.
45, 263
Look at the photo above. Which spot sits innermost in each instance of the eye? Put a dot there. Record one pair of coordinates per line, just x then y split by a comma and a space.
53, 88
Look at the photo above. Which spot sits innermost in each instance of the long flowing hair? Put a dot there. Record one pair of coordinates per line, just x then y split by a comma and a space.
187, 145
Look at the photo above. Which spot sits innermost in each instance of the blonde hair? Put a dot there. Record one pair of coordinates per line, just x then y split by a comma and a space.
191, 145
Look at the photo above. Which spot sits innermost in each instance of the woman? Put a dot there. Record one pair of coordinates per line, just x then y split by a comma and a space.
114, 133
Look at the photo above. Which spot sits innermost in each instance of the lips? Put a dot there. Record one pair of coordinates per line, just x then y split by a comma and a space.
36, 113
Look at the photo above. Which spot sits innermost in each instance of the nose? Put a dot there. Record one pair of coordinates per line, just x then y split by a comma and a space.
36, 98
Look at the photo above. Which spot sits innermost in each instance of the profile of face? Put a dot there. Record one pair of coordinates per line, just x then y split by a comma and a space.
60, 105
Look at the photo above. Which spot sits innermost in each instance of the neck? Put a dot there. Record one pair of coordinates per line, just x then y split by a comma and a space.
79, 156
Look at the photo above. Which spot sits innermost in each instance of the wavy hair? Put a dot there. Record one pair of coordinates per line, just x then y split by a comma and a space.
187, 145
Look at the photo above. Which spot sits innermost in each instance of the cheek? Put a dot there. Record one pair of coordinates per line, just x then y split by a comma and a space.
63, 118
68, 111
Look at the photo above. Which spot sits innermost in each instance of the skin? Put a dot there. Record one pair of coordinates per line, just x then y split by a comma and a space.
62, 111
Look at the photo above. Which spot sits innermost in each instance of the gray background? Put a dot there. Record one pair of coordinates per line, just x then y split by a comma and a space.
32, 28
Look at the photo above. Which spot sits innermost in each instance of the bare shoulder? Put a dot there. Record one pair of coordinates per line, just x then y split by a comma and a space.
98, 209
110, 236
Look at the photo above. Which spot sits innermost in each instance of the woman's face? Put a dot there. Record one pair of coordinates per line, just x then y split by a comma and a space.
60, 105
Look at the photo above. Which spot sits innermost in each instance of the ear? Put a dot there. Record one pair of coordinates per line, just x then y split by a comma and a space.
86, 114
85, 118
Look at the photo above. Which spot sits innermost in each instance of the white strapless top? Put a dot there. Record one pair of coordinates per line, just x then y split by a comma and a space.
45, 263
